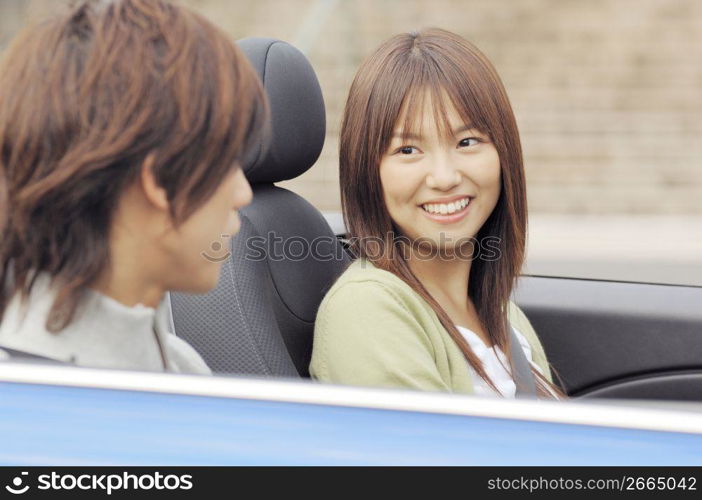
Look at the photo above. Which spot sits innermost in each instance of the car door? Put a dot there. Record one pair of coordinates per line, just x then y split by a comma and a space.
62, 415
611, 339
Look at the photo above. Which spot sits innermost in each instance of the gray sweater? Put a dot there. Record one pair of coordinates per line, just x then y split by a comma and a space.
104, 334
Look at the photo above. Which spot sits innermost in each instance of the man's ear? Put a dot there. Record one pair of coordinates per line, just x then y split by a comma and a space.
155, 194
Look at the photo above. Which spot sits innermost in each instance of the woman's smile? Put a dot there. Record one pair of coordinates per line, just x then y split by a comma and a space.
447, 211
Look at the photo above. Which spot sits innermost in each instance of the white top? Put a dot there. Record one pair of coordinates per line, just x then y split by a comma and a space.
104, 333
495, 364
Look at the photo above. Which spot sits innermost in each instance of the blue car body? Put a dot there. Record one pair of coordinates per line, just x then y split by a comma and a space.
93, 417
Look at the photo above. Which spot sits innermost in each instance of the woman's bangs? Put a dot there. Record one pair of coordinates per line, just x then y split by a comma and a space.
444, 93
444, 98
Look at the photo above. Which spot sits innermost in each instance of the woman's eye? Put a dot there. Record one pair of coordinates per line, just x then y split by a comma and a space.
468, 141
407, 150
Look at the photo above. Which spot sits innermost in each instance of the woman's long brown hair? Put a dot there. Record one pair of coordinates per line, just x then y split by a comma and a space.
393, 78
85, 97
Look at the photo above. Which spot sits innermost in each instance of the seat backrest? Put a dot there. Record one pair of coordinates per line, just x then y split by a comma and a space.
260, 318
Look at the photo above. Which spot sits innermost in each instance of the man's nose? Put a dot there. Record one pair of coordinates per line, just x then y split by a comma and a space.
244, 194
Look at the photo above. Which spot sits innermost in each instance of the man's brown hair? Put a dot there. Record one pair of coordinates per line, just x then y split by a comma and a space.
85, 98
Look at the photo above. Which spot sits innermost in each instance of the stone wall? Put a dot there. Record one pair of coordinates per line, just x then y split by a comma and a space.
607, 93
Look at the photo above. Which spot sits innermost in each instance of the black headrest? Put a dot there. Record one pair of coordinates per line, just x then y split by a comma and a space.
297, 111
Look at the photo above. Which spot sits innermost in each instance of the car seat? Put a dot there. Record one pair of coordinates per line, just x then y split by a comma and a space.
259, 320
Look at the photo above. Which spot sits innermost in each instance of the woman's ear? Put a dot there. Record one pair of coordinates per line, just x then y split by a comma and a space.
155, 194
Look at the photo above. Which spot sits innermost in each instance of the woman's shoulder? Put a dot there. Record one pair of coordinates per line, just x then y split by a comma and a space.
377, 294
372, 330
362, 277
372, 309
361, 270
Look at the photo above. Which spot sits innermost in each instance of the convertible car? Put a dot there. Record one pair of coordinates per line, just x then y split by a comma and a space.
629, 355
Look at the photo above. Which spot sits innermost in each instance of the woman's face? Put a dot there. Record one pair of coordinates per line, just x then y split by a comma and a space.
437, 188
199, 245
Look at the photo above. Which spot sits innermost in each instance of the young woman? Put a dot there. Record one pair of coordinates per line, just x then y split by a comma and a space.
433, 196
122, 129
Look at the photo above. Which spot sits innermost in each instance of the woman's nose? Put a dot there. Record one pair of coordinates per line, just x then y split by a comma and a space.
443, 176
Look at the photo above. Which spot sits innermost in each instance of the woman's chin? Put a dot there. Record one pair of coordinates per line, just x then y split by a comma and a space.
447, 239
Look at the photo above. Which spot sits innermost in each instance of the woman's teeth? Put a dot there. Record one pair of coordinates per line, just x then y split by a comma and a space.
446, 208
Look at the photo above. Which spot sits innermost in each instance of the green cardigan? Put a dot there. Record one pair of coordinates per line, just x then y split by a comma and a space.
372, 329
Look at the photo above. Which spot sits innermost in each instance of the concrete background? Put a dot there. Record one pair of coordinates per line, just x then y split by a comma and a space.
607, 94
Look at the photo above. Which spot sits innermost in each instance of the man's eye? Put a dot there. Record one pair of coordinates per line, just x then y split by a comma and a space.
468, 141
